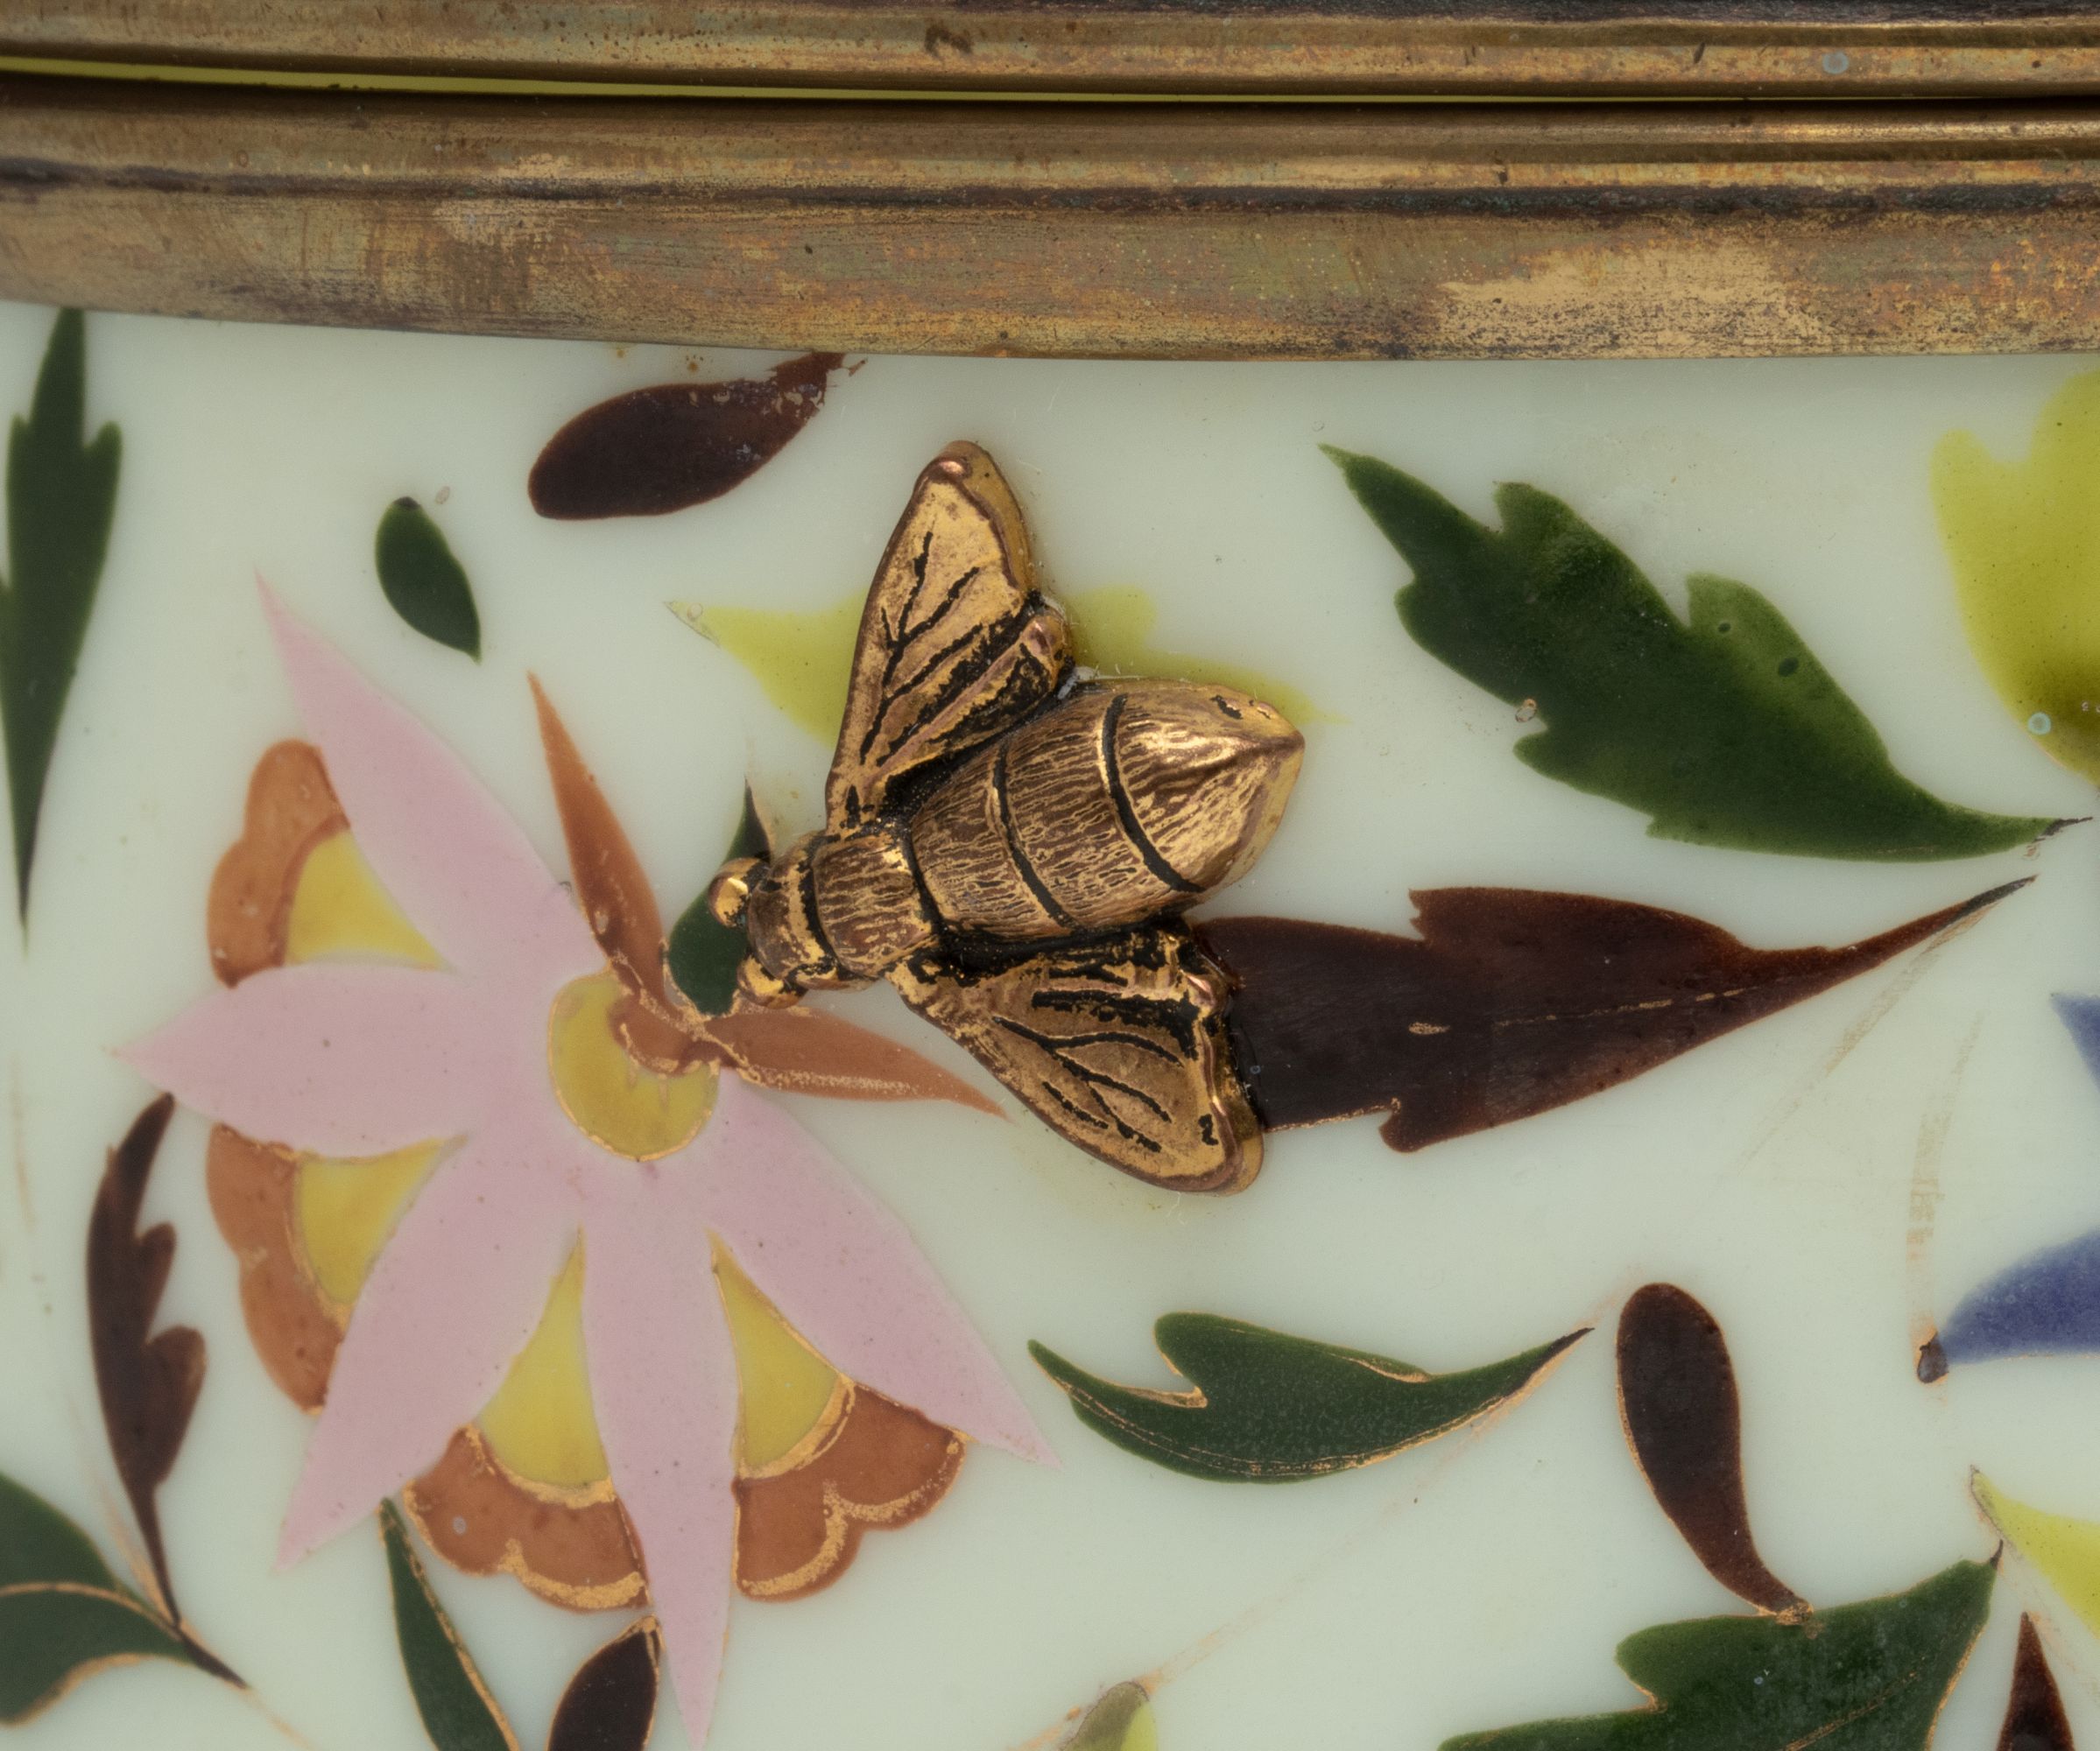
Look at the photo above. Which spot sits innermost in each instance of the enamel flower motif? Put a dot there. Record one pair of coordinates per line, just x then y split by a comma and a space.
513, 1089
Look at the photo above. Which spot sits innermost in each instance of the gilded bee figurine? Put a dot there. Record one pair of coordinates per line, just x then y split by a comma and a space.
1012, 845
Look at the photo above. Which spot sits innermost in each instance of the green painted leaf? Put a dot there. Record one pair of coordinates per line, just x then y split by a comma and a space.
1122, 1720
1265, 1408
703, 953
1861, 1677
458, 1713
1723, 728
62, 494
426, 585
53, 1636
39, 1544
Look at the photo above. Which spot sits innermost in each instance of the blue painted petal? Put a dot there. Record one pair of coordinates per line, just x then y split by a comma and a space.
2047, 1305
2082, 1016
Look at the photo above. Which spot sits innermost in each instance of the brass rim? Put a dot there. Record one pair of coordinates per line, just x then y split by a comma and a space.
1515, 47
1189, 230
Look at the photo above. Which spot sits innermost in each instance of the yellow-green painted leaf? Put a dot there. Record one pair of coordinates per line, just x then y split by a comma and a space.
800, 659
1122, 1720
53, 1636
458, 1711
1112, 632
2025, 539
2064, 1552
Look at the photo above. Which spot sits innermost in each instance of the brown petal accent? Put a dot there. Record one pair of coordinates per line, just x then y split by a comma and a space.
617, 901
252, 1188
806, 1051
148, 1380
290, 810
568, 1545
1508, 1004
674, 445
1677, 1395
883, 1467
2034, 1716
610, 1704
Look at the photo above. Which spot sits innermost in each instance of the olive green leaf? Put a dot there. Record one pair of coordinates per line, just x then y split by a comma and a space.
63, 1616
1722, 728
1265, 1408
2025, 539
39, 1544
458, 1711
1122, 1720
52, 1636
426, 585
1870, 1676
62, 494
702, 954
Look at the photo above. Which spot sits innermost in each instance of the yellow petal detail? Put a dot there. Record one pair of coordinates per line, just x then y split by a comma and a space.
540, 1424
2065, 1553
800, 660
787, 1388
2025, 540
346, 1209
623, 1106
339, 909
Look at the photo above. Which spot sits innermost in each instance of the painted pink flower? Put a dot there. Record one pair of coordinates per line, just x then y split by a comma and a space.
350, 1060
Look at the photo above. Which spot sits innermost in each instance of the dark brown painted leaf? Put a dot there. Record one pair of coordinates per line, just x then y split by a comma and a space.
674, 445
1677, 1393
149, 1380
1509, 1002
2034, 1716
610, 1704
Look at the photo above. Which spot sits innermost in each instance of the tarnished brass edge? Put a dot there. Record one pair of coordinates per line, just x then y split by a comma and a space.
1171, 231
1840, 47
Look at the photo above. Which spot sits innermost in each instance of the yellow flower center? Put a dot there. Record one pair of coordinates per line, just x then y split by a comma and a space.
618, 1103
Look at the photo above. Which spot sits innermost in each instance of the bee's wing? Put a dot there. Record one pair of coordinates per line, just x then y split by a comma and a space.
1119, 1046
956, 644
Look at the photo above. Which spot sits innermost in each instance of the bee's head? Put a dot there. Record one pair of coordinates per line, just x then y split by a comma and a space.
773, 903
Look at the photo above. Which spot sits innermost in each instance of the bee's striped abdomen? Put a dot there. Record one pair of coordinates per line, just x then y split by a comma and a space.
1122, 803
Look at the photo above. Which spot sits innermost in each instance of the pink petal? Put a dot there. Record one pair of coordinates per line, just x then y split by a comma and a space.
453, 860
663, 1381
339, 1059
450, 1301
845, 1274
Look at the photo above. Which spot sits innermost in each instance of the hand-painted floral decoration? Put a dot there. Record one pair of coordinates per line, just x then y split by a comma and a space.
1721, 726
61, 494
422, 580
1264, 1407
473, 1155
678, 444
64, 1614
2023, 538
1683, 1419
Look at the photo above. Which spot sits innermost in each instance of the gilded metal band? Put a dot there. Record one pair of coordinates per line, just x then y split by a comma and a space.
1585, 47
1181, 230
